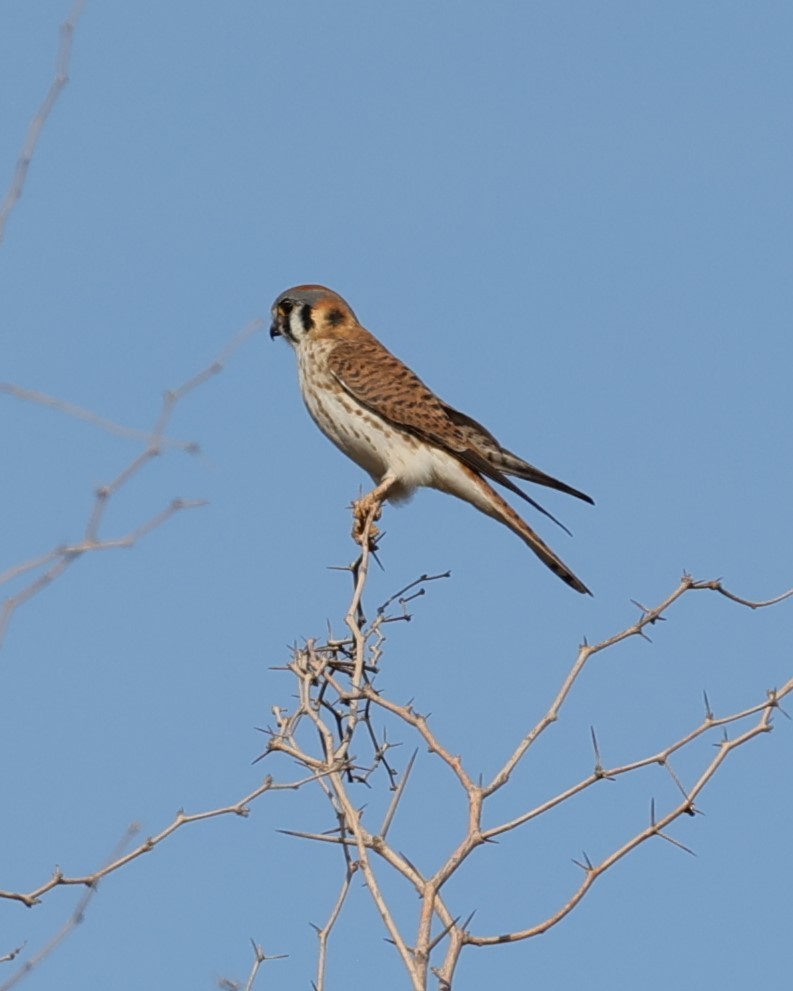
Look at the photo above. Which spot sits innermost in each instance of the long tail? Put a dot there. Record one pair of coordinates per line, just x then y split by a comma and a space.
510, 518
479, 493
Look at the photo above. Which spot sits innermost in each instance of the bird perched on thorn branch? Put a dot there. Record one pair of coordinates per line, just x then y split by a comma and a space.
380, 414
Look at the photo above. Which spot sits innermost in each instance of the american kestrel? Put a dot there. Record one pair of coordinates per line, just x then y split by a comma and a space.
380, 414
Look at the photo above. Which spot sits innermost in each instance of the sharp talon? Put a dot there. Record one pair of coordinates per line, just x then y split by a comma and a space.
366, 510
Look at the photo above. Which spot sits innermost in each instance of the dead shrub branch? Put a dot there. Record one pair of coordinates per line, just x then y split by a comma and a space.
339, 699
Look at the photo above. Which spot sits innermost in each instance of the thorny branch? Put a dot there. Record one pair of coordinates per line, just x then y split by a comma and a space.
240, 808
47, 567
338, 697
74, 920
341, 731
259, 957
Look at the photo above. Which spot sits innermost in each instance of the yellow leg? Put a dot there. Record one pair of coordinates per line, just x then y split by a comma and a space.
367, 509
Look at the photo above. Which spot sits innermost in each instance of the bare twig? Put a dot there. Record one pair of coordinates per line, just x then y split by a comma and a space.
337, 694
36, 125
88, 416
71, 924
240, 808
715, 585
656, 828
59, 559
323, 934
259, 957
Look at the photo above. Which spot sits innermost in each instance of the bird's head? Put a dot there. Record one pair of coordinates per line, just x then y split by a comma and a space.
310, 312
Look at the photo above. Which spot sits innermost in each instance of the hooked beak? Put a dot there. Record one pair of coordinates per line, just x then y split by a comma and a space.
275, 330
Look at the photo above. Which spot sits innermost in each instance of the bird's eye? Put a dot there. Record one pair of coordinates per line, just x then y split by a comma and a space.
286, 306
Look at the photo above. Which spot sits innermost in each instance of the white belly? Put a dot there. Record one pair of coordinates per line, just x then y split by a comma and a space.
379, 447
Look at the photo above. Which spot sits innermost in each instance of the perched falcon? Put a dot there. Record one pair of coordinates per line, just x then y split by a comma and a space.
381, 415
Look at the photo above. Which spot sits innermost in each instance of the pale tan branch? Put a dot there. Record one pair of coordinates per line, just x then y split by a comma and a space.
64, 557
12, 954
240, 808
408, 715
37, 124
74, 920
20, 569
660, 758
323, 934
364, 841
88, 416
715, 585
587, 651
59, 559
337, 696
259, 957
656, 828
354, 619
69, 926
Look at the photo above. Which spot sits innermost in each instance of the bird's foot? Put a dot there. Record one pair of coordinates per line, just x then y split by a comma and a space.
364, 513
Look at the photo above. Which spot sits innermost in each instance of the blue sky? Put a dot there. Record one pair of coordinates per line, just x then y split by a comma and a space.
574, 221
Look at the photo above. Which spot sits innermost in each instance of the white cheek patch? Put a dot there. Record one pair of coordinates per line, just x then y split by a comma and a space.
296, 329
